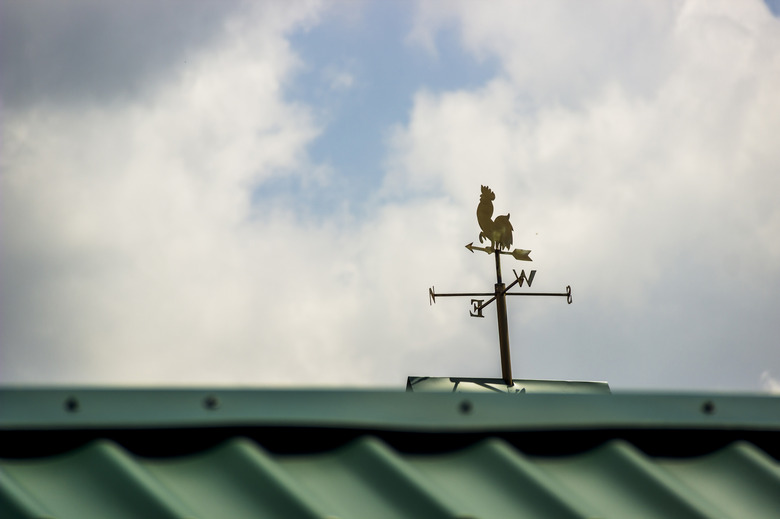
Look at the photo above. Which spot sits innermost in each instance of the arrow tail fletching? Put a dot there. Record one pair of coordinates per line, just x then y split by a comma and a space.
472, 248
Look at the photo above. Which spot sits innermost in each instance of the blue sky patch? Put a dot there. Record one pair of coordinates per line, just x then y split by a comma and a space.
361, 75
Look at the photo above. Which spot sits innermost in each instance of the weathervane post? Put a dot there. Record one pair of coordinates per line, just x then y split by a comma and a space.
503, 327
499, 233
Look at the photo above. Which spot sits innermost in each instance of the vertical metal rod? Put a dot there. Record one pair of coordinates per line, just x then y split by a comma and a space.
503, 328
497, 253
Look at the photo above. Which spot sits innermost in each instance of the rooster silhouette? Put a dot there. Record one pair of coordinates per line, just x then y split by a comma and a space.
498, 231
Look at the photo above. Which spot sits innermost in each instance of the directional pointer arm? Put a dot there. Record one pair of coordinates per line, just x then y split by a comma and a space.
518, 254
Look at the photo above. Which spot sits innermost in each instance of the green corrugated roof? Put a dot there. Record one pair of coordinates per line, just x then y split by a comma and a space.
86, 453
368, 478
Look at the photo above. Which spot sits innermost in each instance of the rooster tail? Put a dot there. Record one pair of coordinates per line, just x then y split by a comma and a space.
503, 231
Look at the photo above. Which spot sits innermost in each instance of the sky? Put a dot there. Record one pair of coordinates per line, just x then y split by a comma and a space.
260, 194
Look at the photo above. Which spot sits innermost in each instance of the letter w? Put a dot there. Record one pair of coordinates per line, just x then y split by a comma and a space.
522, 277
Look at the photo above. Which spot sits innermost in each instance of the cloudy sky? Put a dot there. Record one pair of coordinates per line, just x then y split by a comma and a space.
261, 193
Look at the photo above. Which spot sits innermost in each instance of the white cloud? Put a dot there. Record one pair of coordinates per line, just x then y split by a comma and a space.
340, 80
634, 146
133, 251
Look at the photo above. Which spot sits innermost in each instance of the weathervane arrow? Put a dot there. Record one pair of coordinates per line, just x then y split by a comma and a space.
518, 254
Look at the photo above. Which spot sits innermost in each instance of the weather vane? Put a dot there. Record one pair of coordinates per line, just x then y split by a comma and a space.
498, 232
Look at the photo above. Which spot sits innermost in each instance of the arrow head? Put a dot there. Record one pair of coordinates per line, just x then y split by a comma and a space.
522, 254
470, 247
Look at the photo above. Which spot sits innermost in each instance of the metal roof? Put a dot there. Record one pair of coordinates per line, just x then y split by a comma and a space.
262, 453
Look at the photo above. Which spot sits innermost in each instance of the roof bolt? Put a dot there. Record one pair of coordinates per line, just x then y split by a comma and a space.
211, 402
465, 407
708, 407
71, 404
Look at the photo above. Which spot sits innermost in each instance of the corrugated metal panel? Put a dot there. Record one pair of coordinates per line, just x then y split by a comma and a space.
83, 453
369, 478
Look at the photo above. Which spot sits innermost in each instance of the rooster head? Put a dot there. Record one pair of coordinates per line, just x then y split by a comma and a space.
487, 194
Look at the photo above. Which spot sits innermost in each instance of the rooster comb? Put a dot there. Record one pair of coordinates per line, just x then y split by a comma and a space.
488, 193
